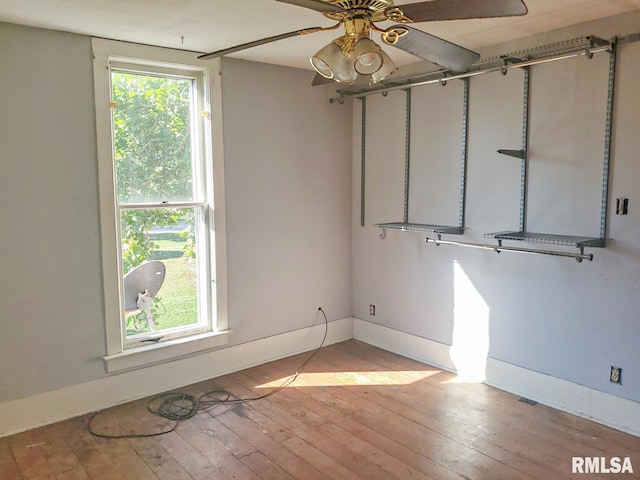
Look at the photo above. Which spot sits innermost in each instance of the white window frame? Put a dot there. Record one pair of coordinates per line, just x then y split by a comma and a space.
119, 355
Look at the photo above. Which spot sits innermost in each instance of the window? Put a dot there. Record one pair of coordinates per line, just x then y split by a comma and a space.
161, 199
162, 216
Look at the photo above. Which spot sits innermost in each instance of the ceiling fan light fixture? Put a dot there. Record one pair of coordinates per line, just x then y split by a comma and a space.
328, 60
368, 57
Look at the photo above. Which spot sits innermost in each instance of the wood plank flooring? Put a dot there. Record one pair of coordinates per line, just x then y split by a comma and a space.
356, 412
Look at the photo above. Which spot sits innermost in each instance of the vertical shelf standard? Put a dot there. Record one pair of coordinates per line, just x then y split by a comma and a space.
363, 151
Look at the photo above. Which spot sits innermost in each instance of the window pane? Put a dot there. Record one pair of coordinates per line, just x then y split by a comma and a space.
152, 137
167, 235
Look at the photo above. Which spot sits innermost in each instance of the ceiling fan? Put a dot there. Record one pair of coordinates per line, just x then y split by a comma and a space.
354, 54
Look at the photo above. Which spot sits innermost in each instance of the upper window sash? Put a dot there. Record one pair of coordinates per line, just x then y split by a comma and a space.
198, 114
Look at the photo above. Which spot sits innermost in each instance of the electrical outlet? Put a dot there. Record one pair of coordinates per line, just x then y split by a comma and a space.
622, 206
372, 309
615, 376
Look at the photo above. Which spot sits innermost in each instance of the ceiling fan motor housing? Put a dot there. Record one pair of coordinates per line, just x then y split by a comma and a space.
374, 9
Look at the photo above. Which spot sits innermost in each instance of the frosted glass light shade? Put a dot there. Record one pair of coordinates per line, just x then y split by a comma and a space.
327, 60
367, 55
388, 67
345, 73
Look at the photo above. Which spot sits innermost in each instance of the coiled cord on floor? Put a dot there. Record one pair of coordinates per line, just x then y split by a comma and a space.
179, 406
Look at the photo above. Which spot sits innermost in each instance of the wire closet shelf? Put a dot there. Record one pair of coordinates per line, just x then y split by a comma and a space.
583, 46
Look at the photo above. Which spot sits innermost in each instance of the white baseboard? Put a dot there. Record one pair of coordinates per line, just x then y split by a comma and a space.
405, 344
50, 407
601, 407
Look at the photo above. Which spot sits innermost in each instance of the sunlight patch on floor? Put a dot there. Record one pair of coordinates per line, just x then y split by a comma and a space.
328, 379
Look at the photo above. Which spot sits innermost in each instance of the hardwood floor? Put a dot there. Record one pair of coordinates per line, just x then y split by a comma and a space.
356, 412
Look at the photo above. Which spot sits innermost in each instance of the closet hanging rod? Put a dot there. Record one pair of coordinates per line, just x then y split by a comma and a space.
499, 248
502, 68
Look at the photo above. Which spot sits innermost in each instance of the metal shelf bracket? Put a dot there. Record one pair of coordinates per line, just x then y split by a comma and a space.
506, 61
513, 153
597, 42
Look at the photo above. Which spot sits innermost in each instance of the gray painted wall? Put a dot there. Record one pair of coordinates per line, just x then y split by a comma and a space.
288, 199
551, 315
51, 306
288, 186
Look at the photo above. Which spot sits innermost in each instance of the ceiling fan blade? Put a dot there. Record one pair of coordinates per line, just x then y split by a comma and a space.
434, 49
256, 43
320, 80
317, 5
462, 9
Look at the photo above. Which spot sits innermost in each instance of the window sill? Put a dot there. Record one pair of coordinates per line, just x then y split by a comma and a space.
162, 352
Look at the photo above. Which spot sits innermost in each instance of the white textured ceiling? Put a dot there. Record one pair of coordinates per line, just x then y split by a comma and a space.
208, 25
